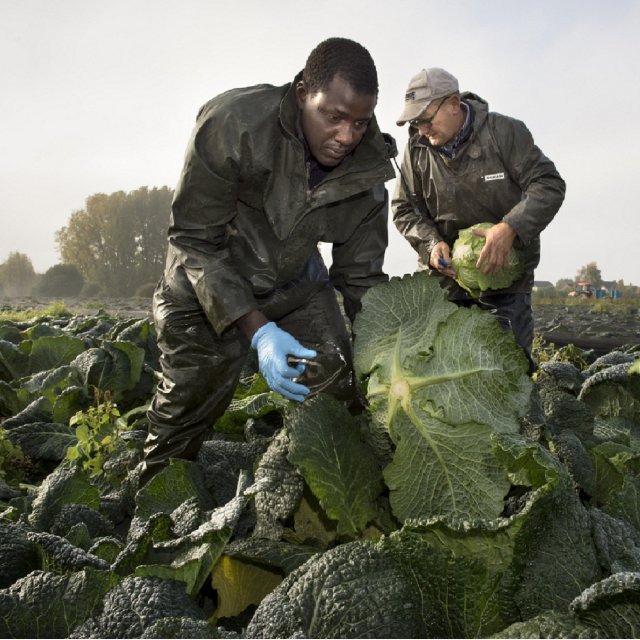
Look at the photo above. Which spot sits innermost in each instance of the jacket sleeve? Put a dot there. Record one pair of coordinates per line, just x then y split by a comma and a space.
357, 263
410, 213
542, 187
204, 202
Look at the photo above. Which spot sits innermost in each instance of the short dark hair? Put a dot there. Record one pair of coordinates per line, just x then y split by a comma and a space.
344, 57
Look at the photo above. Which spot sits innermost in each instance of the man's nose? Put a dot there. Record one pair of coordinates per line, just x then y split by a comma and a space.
346, 134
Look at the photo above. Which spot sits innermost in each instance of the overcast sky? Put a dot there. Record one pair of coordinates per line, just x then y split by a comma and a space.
102, 96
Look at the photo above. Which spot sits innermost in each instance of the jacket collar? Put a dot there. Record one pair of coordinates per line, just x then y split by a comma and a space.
478, 110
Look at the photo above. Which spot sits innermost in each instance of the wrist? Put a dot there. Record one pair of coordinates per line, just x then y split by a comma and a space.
508, 229
250, 322
260, 331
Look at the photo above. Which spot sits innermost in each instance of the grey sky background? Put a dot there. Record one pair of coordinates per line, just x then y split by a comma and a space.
102, 96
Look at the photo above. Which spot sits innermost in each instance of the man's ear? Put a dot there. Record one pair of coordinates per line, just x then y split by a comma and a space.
301, 93
456, 102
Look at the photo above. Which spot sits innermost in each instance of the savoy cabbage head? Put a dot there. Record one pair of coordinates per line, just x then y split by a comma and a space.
440, 381
465, 254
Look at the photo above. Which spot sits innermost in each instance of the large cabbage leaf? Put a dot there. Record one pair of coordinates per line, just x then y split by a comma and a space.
168, 489
44, 440
50, 352
115, 367
445, 577
61, 487
48, 605
341, 469
441, 380
191, 557
14, 362
607, 609
281, 488
612, 606
464, 257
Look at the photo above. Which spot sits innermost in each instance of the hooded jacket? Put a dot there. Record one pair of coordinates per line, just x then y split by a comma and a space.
497, 175
245, 225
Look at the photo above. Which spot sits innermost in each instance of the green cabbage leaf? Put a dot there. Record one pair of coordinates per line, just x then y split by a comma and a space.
464, 257
441, 381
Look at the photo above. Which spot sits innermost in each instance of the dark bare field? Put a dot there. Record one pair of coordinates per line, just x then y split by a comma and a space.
591, 325
602, 327
118, 307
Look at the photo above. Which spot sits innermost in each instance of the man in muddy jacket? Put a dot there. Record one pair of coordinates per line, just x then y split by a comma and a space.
270, 172
463, 165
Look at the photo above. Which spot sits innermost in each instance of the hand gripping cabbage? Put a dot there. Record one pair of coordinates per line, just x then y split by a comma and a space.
464, 257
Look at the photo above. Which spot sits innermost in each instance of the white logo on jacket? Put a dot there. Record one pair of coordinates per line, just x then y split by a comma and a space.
494, 176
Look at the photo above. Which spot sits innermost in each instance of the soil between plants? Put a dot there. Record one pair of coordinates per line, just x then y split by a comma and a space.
586, 326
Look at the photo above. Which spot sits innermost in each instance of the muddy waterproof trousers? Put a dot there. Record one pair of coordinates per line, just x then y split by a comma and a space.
200, 370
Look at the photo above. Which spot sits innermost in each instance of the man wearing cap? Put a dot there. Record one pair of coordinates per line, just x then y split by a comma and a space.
463, 165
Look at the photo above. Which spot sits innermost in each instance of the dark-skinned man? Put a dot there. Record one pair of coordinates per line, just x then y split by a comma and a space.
463, 165
270, 172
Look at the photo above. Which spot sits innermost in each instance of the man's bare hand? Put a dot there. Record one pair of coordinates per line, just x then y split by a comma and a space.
495, 254
440, 259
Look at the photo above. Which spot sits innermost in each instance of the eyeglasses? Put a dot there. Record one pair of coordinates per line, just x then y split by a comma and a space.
426, 122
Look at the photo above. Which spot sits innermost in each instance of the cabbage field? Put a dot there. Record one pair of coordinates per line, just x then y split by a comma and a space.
469, 500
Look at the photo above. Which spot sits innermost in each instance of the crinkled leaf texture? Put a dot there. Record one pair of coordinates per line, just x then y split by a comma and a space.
48, 605
550, 624
441, 380
171, 487
275, 555
355, 590
625, 503
612, 606
116, 367
464, 256
447, 577
554, 554
281, 488
190, 557
613, 392
407, 585
251, 406
49, 352
44, 440
608, 609
60, 555
18, 554
62, 486
341, 469
135, 604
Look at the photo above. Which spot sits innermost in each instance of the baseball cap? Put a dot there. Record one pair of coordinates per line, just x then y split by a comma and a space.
425, 87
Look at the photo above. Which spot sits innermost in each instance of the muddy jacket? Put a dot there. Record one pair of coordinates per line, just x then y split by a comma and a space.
245, 225
498, 174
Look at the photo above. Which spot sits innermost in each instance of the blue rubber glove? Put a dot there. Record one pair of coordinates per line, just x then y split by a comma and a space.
273, 346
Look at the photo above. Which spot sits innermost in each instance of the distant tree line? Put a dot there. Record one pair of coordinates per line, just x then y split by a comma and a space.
589, 273
115, 246
119, 241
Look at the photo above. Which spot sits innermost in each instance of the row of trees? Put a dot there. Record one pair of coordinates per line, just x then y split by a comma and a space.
18, 278
115, 246
588, 273
119, 241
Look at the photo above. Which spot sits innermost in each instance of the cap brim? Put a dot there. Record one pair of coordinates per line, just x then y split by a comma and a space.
412, 110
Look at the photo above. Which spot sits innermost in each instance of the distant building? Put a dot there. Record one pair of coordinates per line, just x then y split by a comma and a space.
542, 284
609, 288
